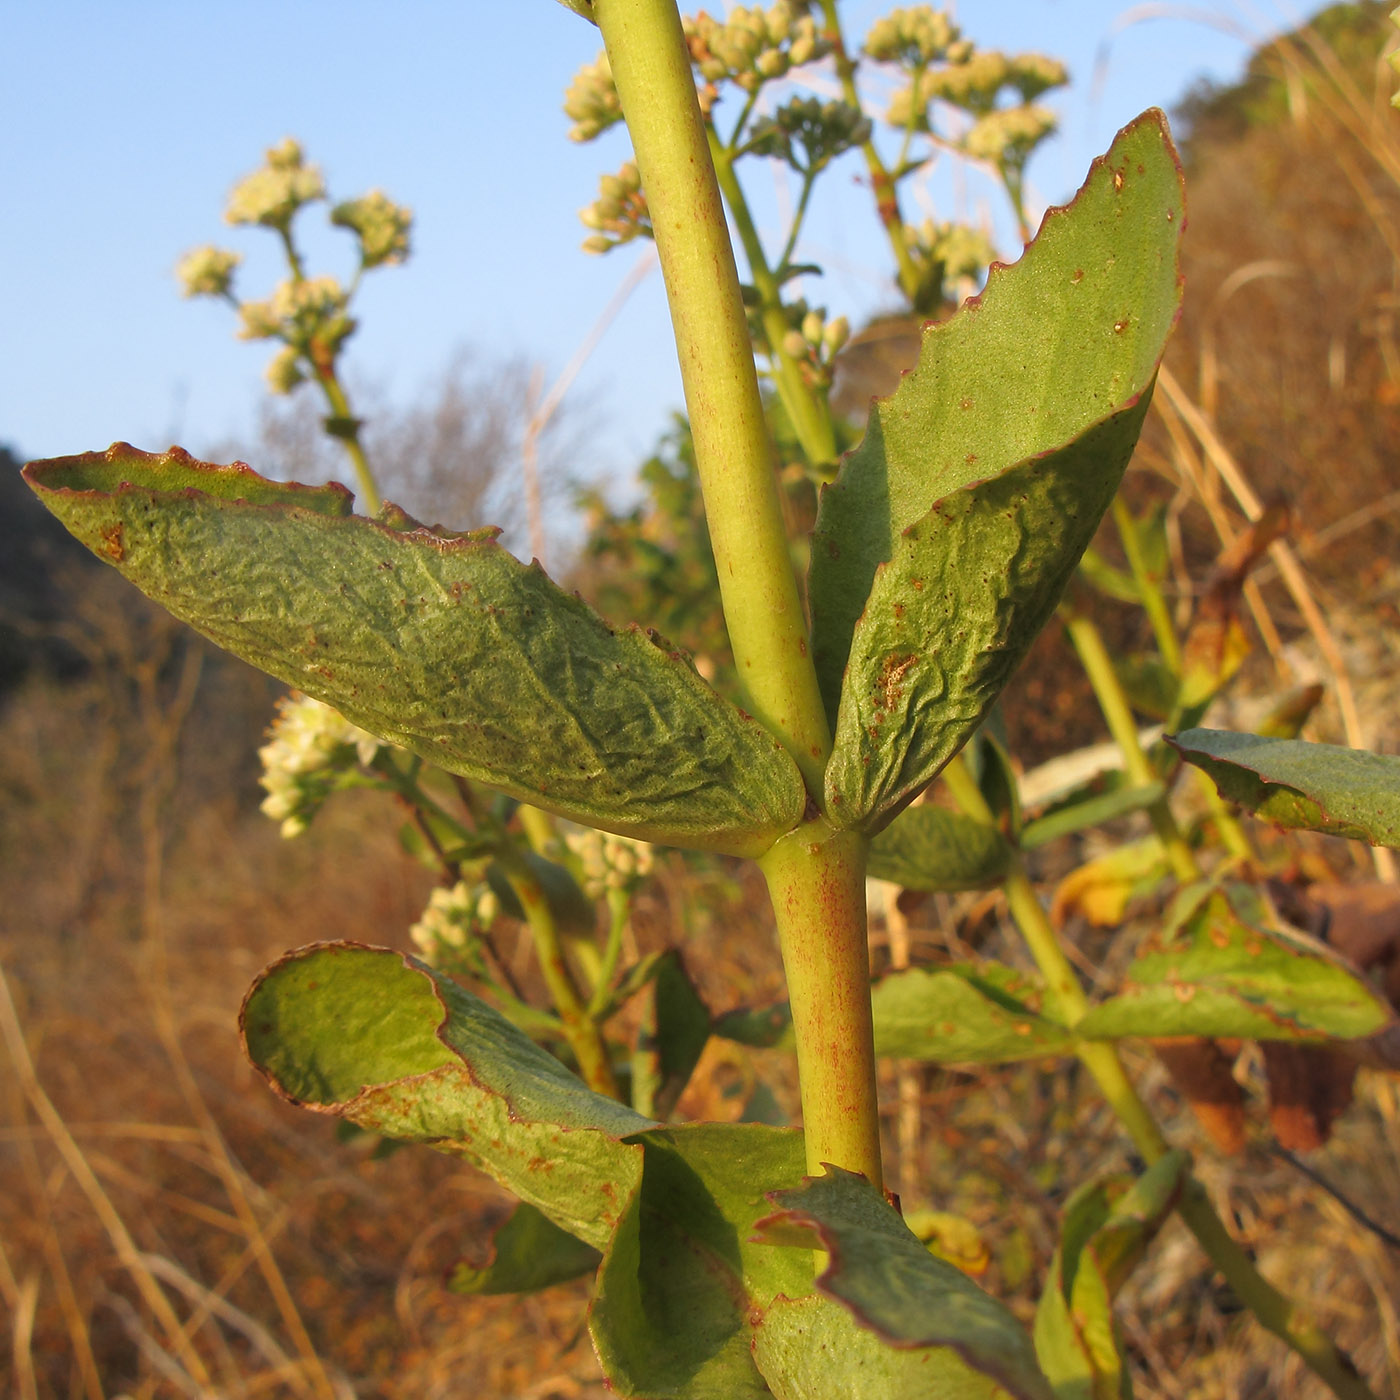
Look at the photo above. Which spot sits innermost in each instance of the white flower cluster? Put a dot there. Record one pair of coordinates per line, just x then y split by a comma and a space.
308, 314
381, 226
619, 214
591, 100
753, 45
1010, 134
271, 196
977, 82
206, 272
445, 935
916, 37
958, 250
609, 862
310, 746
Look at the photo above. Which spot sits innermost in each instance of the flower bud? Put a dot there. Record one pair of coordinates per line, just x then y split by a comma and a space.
381, 226
284, 371
271, 196
206, 272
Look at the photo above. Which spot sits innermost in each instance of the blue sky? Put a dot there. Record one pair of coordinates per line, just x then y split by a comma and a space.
125, 124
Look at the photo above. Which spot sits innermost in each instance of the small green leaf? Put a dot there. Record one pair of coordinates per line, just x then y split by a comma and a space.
954, 1015
674, 1028
573, 911
376, 1037
444, 644
1152, 687
1110, 581
891, 1283
1092, 811
527, 1252
1106, 1228
1319, 787
763, 1027
982, 1014
931, 848
950, 532
1219, 969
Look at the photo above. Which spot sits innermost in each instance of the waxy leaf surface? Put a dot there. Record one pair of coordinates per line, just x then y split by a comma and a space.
944, 544
378, 1038
1220, 969
891, 1283
1320, 787
446, 645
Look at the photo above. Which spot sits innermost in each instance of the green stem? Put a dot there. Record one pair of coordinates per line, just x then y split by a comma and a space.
619, 907
408, 787
1098, 666
886, 196
809, 180
580, 1030
349, 433
806, 412
1275, 1312
539, 830
1153, 600
816, 879
767, 629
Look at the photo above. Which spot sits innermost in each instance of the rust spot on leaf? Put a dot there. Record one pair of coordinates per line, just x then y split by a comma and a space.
112, 545
1078, 276
1117, 181
892, 672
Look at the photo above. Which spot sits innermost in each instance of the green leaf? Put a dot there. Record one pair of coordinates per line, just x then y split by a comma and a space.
573, 911
763, 1027
931, 848
674, 1028
1319, 787
950, 532
809, 1350
681, 1287
528, 1252
960, 1014
1110, 581
891, 1283
376, 1037
1219, 969
1152, 687
445, 645
1092, 811
982, 1014
1105, 1230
